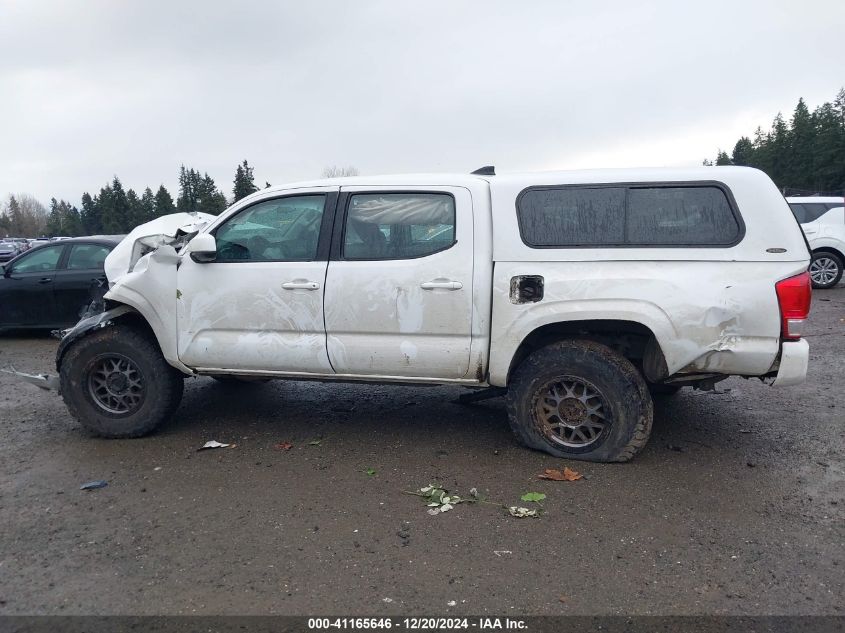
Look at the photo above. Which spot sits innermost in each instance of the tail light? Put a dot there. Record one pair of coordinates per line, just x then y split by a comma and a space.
794, 295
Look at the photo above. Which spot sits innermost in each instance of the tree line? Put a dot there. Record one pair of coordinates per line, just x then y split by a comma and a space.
805, 155
115, 210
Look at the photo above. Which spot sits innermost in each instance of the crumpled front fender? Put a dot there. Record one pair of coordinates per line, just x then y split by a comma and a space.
85, 326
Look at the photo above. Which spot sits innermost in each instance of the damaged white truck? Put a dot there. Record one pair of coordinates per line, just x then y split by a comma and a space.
575, 294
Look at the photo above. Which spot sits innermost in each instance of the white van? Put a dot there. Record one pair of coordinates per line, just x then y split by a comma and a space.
575, 293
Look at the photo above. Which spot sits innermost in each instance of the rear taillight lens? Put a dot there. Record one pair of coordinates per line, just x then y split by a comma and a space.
794, 296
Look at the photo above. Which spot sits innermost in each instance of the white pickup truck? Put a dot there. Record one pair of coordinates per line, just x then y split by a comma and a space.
576, 293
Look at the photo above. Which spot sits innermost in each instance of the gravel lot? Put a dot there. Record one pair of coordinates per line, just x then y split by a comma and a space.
735, 507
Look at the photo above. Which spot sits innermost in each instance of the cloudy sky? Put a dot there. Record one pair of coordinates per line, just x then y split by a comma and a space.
89, 89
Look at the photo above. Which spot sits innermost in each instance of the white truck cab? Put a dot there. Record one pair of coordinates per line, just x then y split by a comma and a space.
823, 221
576, 294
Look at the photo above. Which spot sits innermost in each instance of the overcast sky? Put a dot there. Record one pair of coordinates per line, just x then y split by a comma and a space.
93, 89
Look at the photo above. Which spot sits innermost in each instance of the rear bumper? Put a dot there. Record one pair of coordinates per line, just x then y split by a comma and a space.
794, 357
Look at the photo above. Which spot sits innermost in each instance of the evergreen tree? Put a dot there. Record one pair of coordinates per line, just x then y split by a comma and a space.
199, 193
722, 158
743, 153
805, 155
90, 216
54, 220
188, 180
134, 212
147, 206
163, 202
244, 181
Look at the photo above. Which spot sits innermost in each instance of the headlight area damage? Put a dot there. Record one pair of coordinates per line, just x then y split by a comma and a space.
141, 273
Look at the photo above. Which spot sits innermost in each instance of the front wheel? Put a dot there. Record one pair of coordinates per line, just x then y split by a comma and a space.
580, 400
116, 383
825, 270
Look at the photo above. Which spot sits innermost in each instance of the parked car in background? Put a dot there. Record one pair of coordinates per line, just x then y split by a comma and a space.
9, 249
823, 223
21, 241
50, 286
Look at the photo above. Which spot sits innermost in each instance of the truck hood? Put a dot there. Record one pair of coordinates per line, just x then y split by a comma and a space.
168, 230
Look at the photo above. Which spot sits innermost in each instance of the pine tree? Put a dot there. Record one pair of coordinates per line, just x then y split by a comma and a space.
147, 205
722, 158
163, 202
72, 220
134, 212
54, 221
244, 181
743, 153
90, 216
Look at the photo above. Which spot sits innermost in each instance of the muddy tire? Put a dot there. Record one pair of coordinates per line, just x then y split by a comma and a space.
116, 383
580, 400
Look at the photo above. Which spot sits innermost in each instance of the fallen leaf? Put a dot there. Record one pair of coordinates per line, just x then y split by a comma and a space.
536, 497
284, 446
522, 513
370, 471
567, 474
315, 442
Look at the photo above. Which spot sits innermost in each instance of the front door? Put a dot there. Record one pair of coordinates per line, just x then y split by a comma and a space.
259, 306
399, 286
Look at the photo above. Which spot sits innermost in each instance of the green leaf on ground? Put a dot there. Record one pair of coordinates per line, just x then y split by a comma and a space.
536, 497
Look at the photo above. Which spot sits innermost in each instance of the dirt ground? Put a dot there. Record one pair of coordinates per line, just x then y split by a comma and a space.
735, 507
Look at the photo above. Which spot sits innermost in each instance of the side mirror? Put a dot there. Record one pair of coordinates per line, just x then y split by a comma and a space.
203, 248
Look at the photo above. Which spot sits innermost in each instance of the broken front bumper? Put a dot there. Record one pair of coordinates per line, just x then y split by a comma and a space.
794, 357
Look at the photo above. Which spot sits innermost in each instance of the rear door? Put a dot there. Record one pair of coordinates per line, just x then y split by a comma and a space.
81, 272
26, 290
399, 285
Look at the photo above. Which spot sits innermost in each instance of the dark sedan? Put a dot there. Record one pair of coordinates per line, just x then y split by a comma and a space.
50, 286
9, 249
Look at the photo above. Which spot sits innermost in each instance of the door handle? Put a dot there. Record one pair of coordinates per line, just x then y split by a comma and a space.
45, 280
300, 285
444, 284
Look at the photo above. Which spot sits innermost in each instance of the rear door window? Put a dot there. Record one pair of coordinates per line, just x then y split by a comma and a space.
398, 225
87, 256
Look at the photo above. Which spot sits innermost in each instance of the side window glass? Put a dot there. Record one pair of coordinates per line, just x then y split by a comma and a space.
572, 217
280, 230
798, 212
679, 216
398, 225
87, 256
41, 260
814, 211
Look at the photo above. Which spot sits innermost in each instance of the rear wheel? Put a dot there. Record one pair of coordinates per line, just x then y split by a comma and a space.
581, 400
825, 270
117, 384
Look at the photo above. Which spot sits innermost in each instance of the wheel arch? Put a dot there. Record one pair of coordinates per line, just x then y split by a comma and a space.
831, 250
115, 313
632, 339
